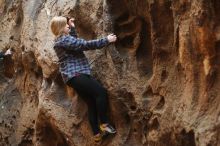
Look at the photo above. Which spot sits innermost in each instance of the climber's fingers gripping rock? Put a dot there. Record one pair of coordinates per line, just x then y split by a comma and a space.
112, 38
70, 21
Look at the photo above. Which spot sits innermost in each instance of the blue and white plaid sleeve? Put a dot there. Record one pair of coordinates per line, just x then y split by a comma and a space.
76, 44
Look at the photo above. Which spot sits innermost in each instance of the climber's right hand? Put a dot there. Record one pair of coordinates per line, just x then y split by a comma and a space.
112, 38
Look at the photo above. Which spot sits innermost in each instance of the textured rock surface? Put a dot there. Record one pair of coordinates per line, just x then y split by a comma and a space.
162, 75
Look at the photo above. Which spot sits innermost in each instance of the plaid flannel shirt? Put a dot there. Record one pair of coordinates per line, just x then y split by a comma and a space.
69, 50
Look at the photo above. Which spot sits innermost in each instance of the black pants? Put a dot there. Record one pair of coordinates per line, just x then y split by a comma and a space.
95, 96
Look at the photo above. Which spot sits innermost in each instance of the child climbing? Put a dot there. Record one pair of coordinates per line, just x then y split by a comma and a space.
76, 73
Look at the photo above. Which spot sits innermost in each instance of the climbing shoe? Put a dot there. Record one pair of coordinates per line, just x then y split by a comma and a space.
97, 138
107, 129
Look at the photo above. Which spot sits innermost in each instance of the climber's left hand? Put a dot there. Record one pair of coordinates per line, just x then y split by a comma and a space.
8, 52
71, 22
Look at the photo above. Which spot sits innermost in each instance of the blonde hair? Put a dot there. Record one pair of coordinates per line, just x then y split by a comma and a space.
57, 25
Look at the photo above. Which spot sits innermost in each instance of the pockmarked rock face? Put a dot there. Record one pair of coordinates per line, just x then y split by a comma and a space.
162, 74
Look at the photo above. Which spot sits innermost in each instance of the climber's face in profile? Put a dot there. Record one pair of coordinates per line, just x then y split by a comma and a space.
66, 29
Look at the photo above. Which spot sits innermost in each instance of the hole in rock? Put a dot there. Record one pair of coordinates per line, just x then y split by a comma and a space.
122, 18
161, 103
26, 143
217, 49
155, 124
148, 93
164, 75
187, 138
144, 52
50, 136
8, 66
133, 107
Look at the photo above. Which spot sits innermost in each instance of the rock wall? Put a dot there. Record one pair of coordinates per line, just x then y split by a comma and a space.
162, 75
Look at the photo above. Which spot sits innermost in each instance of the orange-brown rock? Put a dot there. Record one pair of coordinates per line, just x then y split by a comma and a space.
162, 75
